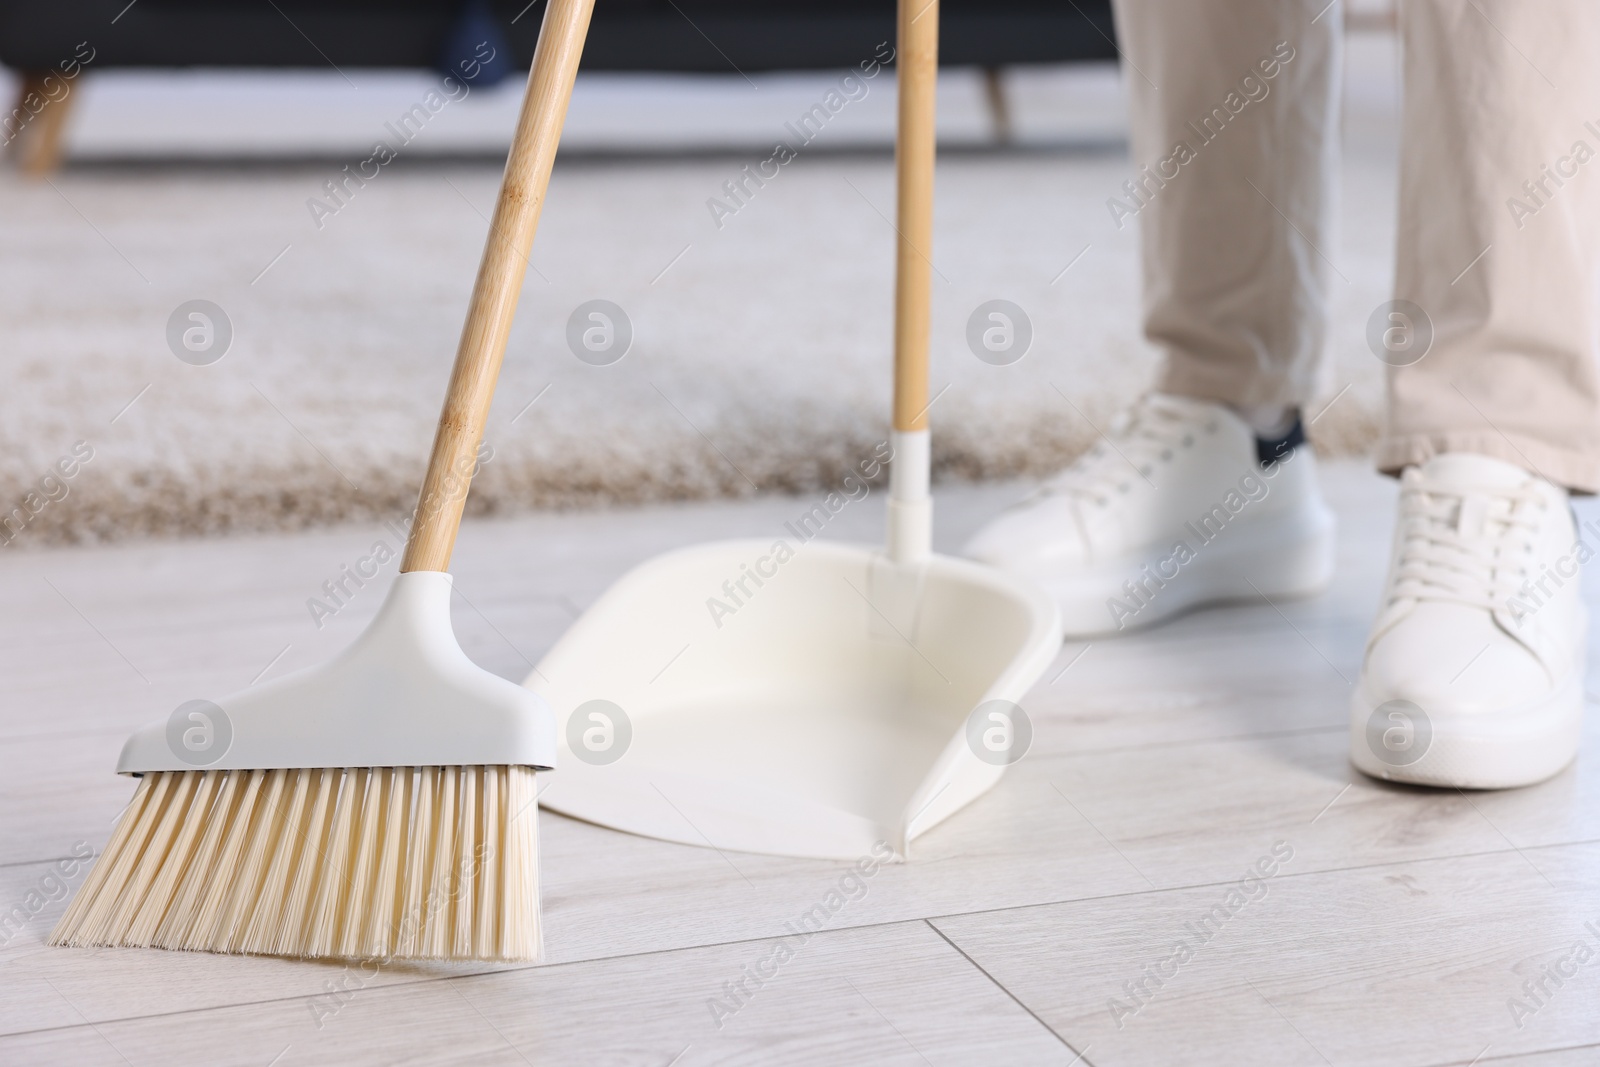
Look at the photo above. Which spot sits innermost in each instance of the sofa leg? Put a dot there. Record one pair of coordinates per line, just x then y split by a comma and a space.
35, 127
994, 94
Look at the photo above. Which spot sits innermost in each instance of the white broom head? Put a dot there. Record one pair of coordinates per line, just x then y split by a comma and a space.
379, 806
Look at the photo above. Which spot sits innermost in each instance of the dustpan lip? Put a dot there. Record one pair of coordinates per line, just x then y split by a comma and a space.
1043, 613
1042, 605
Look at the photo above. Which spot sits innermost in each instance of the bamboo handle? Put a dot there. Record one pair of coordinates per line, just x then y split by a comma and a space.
494, 296
917, 66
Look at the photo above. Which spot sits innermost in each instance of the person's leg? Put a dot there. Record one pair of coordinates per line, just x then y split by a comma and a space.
1199, 494
1234, 113
1499, 231
1473, 675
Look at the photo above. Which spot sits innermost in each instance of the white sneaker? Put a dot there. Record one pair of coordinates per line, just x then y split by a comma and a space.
1474, 670
1171, 510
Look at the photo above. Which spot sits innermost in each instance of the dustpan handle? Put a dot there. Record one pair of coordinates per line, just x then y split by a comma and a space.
917, 72
494, 296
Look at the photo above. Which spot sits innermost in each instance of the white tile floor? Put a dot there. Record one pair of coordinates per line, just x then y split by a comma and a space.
1398, 929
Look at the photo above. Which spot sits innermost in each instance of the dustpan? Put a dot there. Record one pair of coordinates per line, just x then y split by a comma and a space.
796, 696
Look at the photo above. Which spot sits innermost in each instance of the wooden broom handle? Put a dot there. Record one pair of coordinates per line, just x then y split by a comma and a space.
494, 296
917, 67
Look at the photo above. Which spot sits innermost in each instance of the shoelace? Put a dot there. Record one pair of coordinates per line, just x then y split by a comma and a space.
1148, 433
1463, 544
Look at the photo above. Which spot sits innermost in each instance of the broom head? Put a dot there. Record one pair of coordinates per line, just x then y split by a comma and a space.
379, 806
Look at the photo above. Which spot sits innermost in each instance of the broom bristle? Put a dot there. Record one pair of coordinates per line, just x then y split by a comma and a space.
361, 863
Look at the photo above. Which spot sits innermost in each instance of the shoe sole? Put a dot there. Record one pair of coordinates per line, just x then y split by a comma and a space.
1519, 746
1244, 562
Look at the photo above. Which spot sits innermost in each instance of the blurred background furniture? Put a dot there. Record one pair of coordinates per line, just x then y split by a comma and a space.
688, 36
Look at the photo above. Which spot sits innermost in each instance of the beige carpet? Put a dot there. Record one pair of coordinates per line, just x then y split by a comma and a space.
760, 356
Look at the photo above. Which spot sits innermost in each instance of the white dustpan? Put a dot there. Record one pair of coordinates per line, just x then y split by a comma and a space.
800, 697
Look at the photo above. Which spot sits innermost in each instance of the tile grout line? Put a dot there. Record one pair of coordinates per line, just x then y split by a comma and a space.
1081, 1057
927, 919
1284, 876
1509, 1056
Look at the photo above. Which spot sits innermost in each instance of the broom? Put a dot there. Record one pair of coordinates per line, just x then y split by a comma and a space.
380, 805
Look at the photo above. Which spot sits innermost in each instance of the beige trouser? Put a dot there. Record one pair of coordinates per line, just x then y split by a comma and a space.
1499, 220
